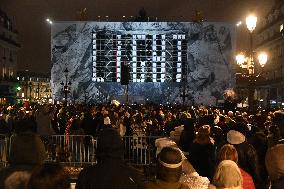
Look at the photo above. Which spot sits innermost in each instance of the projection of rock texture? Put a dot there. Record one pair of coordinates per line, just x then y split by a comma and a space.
210, 48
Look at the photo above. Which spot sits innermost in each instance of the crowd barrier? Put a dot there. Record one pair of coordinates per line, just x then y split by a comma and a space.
140, 150
78, 150
74, 150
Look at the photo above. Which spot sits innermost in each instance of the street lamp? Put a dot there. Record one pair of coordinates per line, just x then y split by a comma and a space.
248, 62
66, 86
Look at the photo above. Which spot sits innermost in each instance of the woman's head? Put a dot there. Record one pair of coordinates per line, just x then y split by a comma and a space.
228, 152
228, 175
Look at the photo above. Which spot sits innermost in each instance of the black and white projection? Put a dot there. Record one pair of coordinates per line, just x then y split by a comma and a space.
151, 58
165, 60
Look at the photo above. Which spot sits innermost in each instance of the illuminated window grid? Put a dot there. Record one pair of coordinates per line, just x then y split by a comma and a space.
155, 59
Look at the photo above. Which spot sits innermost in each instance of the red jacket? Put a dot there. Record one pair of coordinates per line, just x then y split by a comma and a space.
247, 180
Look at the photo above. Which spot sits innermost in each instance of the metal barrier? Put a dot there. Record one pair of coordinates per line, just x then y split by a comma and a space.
140, 150
74, 150
79, 150
4, 142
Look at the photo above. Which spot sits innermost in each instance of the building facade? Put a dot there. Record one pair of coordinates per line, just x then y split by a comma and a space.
269, 39
34, 87
9, 46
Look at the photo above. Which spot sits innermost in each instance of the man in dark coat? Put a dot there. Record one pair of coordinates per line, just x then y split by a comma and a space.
110, 172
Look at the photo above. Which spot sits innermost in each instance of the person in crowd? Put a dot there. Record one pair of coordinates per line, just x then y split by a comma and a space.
62, 118
259, 142
229, 152
27, 152
273, 135
202, 153
247, 155
218, 136
49, 176
227, 176
43, 119
223, 125
25, 124
110, 171
89, 125
169, 170
188, 134
274, 159
4, 129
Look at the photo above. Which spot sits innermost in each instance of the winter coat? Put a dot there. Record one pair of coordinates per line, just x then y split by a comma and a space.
159, 184
202, 158
247, 180
188, 134
27, 151
109, 174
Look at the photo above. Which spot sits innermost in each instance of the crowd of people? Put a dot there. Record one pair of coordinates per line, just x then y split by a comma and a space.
231, 149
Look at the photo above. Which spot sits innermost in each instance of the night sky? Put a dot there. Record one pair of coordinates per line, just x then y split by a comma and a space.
34, 33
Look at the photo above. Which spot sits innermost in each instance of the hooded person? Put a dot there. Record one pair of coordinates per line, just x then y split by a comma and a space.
110, 171
169, 170
247, 155
227, 176
27, 152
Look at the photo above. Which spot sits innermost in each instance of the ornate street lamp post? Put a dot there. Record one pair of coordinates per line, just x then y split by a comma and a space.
248, 62
66, 86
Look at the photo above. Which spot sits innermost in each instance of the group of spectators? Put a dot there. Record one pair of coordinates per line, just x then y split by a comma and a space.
232, 149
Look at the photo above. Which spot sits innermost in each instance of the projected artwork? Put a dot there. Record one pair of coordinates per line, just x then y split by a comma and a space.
151, 58
165, 59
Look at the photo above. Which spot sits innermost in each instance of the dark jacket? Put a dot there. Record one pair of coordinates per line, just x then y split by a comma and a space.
202, 158
188, 134
109, 174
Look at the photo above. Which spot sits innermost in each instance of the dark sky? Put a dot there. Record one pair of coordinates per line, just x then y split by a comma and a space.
29, 17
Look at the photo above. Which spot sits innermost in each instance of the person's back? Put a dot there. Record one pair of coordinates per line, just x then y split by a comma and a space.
27, 151
247, 156
110, 172
49, 176
202, 153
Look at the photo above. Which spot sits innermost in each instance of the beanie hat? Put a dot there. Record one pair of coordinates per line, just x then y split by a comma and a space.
237, 134
110, 144
228, 175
